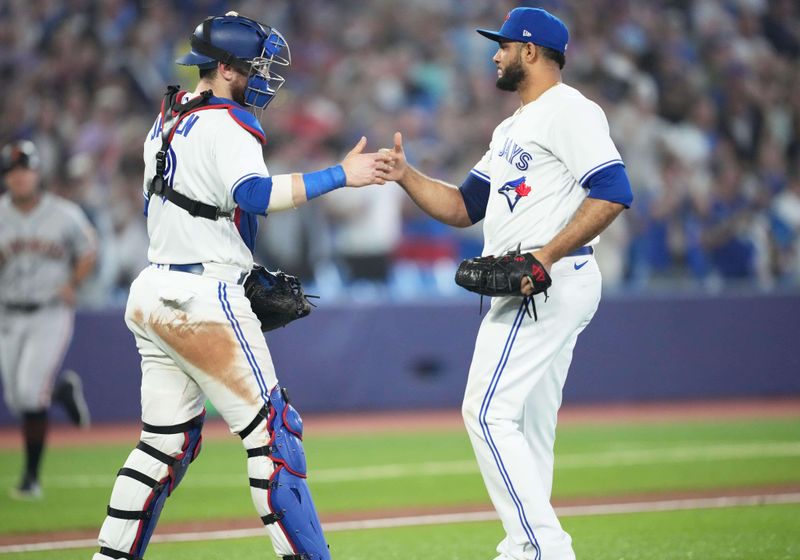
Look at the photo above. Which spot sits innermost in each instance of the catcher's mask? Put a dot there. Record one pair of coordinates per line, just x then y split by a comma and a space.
248, 46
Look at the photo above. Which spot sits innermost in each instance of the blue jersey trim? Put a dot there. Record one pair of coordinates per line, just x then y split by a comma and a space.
240, 180
222, 294
487, 399
481, 175
611, 183
597, 168
475, 192
252, 193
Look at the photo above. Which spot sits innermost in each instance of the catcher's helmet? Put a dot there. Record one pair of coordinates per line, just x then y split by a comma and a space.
22, 153
245, 44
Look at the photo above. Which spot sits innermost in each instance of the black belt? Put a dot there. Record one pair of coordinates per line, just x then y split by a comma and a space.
23, 307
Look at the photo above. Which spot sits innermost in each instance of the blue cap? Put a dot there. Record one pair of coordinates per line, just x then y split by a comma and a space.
531, 25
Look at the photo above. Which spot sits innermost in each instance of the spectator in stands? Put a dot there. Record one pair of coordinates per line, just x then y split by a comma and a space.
677, 79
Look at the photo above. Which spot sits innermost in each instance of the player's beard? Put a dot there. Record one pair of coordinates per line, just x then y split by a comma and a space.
512, 77
237, 90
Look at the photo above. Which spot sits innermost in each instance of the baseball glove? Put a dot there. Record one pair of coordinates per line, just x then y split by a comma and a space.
276, 298
502, 276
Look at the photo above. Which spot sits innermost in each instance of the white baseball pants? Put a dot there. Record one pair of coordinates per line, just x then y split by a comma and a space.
512, 399
198, 338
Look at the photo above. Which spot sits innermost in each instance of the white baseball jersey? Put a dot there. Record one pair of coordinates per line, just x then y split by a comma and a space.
209, 156
536, 163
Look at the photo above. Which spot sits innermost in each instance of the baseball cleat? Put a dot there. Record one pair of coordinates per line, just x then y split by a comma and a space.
29, 490
69, 393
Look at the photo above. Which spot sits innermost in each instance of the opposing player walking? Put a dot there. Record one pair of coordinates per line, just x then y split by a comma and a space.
205, 184
550, 182
47, 248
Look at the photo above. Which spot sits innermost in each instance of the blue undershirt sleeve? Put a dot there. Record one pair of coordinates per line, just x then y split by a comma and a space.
611, 184
253, 194
475, 192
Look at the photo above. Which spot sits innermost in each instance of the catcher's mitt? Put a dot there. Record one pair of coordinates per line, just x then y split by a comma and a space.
277, 299
502, 276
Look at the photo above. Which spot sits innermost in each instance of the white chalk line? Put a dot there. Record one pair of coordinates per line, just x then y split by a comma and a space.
600, 459
439, 519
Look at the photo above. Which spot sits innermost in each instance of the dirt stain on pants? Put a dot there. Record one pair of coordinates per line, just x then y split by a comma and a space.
210, 347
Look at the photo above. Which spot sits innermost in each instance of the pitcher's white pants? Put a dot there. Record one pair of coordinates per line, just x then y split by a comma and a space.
512, 399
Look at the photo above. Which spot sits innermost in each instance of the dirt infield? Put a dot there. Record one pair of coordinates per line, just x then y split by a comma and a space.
354, 423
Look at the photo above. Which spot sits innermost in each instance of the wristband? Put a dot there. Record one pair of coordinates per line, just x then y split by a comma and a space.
326, 180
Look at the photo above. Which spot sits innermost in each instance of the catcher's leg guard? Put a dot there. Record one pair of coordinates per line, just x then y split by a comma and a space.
277, 473
150, 474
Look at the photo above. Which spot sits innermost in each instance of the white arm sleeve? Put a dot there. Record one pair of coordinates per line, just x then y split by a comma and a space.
282, 197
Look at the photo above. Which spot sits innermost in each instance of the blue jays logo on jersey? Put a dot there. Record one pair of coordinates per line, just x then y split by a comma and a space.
514, 191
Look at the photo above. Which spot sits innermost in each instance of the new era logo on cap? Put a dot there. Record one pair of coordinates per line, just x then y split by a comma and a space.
531, 25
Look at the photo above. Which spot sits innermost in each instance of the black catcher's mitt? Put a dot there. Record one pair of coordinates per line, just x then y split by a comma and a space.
277, 299
502, 276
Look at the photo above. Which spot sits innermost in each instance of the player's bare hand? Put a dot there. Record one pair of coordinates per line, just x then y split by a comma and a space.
398, 162
526, 287
363, 169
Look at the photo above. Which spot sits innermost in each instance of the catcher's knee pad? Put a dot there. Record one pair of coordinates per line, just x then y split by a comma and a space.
277, 473
150, 474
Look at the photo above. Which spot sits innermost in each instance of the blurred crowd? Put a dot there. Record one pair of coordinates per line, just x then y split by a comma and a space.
702, 96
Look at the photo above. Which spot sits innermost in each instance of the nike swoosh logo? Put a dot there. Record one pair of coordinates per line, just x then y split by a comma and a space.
580, 266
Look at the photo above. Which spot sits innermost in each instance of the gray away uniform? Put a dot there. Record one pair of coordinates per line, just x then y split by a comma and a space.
37, 252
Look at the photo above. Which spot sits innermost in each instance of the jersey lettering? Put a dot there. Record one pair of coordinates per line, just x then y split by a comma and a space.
515, 155
156, 128
186, 125
41, 247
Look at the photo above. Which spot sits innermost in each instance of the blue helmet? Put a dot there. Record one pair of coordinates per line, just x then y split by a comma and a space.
246, 45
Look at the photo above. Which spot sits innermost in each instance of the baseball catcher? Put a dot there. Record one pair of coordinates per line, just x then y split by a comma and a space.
276, 298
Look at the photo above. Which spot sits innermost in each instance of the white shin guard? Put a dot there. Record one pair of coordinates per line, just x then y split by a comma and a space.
150, 474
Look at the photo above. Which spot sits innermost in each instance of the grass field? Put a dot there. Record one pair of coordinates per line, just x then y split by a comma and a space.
426, 471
